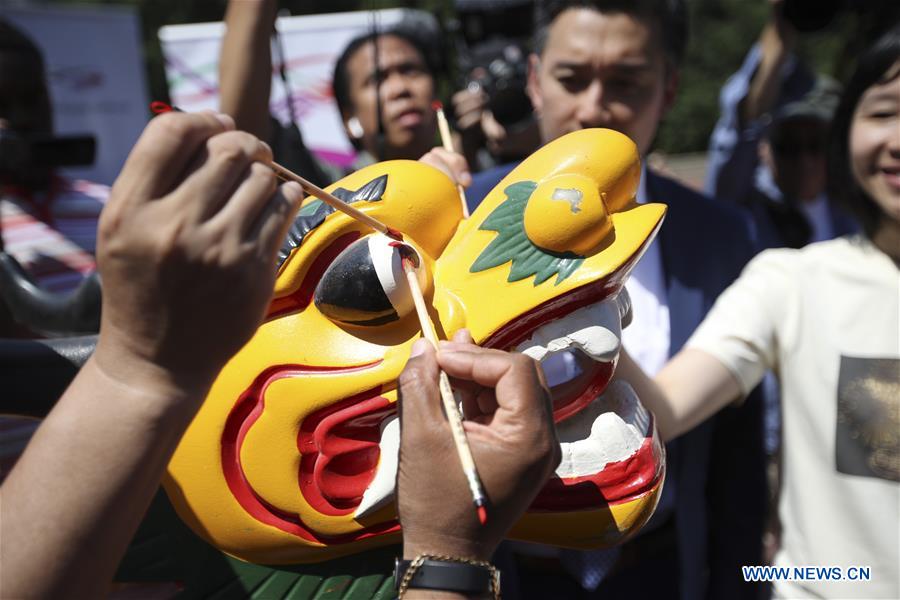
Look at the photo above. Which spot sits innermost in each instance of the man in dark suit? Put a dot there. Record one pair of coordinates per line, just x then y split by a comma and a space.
614, 64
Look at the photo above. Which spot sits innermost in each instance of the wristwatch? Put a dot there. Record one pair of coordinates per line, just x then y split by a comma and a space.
448, 575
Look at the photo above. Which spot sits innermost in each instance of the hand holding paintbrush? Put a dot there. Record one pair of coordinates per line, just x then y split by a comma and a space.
508, 427
409, 259
309, 187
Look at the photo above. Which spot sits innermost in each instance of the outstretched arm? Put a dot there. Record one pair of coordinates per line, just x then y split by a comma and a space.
186, 243
749, 94
692, 387
776, 42
245, 64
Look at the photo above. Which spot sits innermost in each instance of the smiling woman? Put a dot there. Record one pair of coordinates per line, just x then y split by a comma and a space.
875, 161
825, 319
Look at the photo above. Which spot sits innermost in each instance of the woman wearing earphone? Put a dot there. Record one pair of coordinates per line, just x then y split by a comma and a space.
386, 112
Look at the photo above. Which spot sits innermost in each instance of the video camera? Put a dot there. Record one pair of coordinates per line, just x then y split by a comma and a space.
492, 46
500, 69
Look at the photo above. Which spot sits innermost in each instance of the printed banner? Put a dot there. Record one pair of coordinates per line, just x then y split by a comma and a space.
311, 46
97, 88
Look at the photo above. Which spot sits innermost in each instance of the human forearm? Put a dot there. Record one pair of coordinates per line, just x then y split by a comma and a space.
80, 489
74, 500
510, 432
650, 395
443, 545
776, 42
692, 387
245, 64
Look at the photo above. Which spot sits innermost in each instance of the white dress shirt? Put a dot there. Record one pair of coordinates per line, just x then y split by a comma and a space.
647, 338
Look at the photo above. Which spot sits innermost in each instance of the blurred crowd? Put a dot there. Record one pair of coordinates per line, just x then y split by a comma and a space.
766, 328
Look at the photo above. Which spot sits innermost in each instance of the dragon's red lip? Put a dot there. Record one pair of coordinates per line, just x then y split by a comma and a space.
619, 482
327, 447
340, 453
339, 449
574, 396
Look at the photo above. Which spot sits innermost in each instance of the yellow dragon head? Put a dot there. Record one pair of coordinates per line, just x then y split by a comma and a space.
292, 457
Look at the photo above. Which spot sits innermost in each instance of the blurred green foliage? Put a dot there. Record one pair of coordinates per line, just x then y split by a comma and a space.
721, 33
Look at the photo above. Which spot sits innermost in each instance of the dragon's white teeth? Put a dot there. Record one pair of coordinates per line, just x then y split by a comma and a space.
595, 330
610, 429
381, 490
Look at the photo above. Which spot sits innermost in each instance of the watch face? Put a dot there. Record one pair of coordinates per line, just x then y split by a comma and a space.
293, 455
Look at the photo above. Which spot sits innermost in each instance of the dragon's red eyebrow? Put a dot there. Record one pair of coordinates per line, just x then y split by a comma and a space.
302, 296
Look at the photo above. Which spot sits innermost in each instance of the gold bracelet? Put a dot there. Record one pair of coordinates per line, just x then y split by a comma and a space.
417, 562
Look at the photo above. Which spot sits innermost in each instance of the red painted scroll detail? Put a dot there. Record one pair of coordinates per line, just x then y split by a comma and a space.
567, 406
339, 445
617, 483
514, 332
300, 299
243, 415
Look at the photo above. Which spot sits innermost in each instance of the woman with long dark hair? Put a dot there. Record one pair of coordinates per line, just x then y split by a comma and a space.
826, 320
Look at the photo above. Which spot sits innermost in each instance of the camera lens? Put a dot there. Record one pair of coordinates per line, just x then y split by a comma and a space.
501, 72
510, 106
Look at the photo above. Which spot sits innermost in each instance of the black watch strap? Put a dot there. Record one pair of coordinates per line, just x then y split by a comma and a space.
447, 576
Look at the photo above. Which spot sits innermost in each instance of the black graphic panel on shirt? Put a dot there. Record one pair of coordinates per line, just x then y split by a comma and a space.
867, 438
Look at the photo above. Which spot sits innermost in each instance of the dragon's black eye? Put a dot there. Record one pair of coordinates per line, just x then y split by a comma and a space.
365, 284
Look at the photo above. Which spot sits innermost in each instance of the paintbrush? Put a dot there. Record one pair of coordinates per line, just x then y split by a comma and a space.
447, 142
409, 260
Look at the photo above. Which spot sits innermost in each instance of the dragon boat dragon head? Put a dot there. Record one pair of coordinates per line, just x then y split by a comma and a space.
293, 456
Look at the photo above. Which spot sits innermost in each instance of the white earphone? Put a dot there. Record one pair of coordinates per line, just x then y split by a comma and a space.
355, 128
